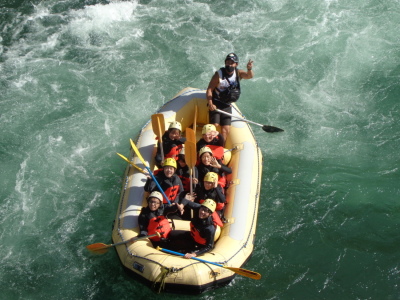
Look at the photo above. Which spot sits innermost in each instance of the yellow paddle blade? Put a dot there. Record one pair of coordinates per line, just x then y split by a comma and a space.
190, 154
190, 135
244, 272
158, 123
132, 164
98, 248
137, 152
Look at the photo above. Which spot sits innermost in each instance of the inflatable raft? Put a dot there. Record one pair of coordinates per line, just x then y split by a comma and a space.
236, 241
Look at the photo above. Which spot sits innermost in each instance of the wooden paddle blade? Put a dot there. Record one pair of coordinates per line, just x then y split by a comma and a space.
244, 272
190, 154
190, 135
158, 123
98, 248
268, 128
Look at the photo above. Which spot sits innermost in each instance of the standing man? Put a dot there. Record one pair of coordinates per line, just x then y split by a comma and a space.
223, 89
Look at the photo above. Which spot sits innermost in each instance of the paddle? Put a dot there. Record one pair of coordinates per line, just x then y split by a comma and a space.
190, 158
240, 271
148, 169
158, 123
266, 128
100, 248
127, 160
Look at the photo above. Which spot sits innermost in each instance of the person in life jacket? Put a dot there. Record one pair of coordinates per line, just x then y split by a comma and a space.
208, 163
210, 189
153, 218
212, 139
172, 143
200, 238
170, 183
224, 88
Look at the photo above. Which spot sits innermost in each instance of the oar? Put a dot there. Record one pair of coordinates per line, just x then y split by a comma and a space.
240, 271
158, 123
190, 158
148, 169
100, 248
127, 160
266, 128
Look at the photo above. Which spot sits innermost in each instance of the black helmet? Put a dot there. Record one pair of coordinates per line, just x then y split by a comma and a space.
232, 56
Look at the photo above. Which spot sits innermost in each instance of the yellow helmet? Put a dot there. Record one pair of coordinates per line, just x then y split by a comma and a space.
204, 150
210, 204
157, 195
170, 162
175, 125
207, 128
211, 177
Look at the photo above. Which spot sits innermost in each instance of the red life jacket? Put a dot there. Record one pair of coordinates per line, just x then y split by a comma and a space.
171, 193
185, 182
173, 153
159, 224
218, 151
196, 235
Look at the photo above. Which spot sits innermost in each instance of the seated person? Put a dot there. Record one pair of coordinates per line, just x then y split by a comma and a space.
170, 183
200, 238
210, 189
208, 163
211, 138
172, 142
153, 218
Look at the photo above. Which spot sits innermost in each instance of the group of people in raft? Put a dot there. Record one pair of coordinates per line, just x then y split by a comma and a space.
205, 206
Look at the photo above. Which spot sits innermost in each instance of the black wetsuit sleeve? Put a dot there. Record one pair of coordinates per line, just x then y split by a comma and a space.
220, 195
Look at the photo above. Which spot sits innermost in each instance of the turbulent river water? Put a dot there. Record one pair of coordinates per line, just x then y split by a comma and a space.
79, 78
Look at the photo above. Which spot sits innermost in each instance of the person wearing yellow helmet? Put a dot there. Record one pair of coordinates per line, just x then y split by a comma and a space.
172, 143
200, 238
170, 183
211, 189
224, 88
209, 163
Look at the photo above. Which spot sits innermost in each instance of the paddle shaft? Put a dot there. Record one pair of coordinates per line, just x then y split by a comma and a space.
243, 119
148, 169
134, 239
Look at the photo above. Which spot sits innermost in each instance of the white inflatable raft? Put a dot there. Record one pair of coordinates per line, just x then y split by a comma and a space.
235, 244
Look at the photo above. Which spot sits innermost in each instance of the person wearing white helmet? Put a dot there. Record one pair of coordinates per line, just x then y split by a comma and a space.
172, 143
212, 139
224, 88
153, 218
200, 238
208, 163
